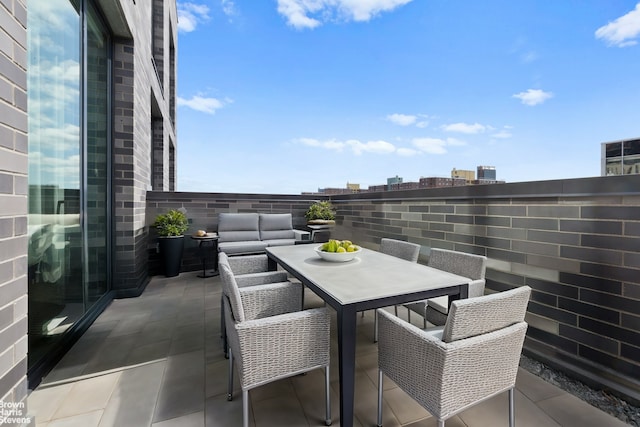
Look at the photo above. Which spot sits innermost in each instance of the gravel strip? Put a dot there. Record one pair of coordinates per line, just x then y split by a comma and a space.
600, 399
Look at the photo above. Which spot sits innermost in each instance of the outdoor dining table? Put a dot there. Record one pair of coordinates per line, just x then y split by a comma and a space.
369, 281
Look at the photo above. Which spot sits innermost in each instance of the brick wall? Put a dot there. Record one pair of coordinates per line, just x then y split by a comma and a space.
137, 87
13, 202
575, 242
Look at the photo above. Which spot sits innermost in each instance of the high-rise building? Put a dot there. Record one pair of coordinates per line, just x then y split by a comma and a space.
620, 157
486, 173
393, 181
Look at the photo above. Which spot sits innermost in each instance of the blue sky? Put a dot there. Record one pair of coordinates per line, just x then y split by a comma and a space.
286, 96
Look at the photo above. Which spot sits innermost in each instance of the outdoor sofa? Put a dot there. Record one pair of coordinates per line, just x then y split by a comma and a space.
251, 233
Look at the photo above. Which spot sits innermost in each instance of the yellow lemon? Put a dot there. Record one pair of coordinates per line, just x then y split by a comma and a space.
352, 248
341, 249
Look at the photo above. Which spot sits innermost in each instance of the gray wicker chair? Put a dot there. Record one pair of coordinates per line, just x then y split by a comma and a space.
399, 249
249, 270
473, 357
472, 266
270, 338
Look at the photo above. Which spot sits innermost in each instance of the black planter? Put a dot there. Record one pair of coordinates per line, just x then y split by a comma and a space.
171, 251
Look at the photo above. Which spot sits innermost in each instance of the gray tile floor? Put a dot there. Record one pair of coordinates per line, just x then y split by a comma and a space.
156, 361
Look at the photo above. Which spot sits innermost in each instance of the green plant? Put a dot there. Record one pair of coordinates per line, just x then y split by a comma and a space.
172, 223
320, 210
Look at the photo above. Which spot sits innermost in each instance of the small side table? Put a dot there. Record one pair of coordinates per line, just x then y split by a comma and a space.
320, 231
203, 242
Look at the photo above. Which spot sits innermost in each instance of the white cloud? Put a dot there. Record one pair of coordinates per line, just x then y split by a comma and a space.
503, 134
464, 128
202, 104
312, 13
402, 119
228, 7
454, 141
430, 145
623, 31
533, 96
356, 146
435, 145
380, 147
192, 14
331, 144
419, 120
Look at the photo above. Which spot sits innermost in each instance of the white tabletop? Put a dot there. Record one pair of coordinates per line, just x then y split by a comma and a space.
371, 275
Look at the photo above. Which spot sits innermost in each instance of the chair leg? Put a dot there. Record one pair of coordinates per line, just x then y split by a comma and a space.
512, 415
440, 423
379, 398
230, 383
327, 392
245, 408
395, 310
375, 326
223, 329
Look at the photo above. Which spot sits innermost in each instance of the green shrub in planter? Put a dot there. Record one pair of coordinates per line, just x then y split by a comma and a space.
321, 211
171, 227
172, 223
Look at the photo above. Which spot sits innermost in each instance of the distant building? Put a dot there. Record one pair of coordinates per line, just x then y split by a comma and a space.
393, 181
486, 173
377, 188
404, 186
620, 157
436, 182
349, 189
468, 175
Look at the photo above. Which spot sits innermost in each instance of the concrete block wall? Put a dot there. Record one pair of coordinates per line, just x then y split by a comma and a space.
13, 203
203, 209
575, 242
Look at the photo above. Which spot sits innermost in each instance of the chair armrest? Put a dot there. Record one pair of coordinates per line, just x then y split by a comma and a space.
301, 235
476, 288
248, 264
271, 299
281, 346
439, 375
253, 279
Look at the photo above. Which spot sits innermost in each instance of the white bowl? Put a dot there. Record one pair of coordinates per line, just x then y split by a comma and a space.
336, 256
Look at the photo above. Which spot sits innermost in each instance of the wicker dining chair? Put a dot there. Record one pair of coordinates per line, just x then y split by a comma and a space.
248, 270
399, 249
448, 369
270, 338
473, 266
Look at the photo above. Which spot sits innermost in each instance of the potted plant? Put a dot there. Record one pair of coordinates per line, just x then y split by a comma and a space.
170, 227
321, 213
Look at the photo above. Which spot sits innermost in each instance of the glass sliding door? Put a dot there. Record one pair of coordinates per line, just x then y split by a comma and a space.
69, 168
98, 67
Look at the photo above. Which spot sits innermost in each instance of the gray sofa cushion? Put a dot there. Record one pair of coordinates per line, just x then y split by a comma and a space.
276, 227
280, 242
238, 227
248, 247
